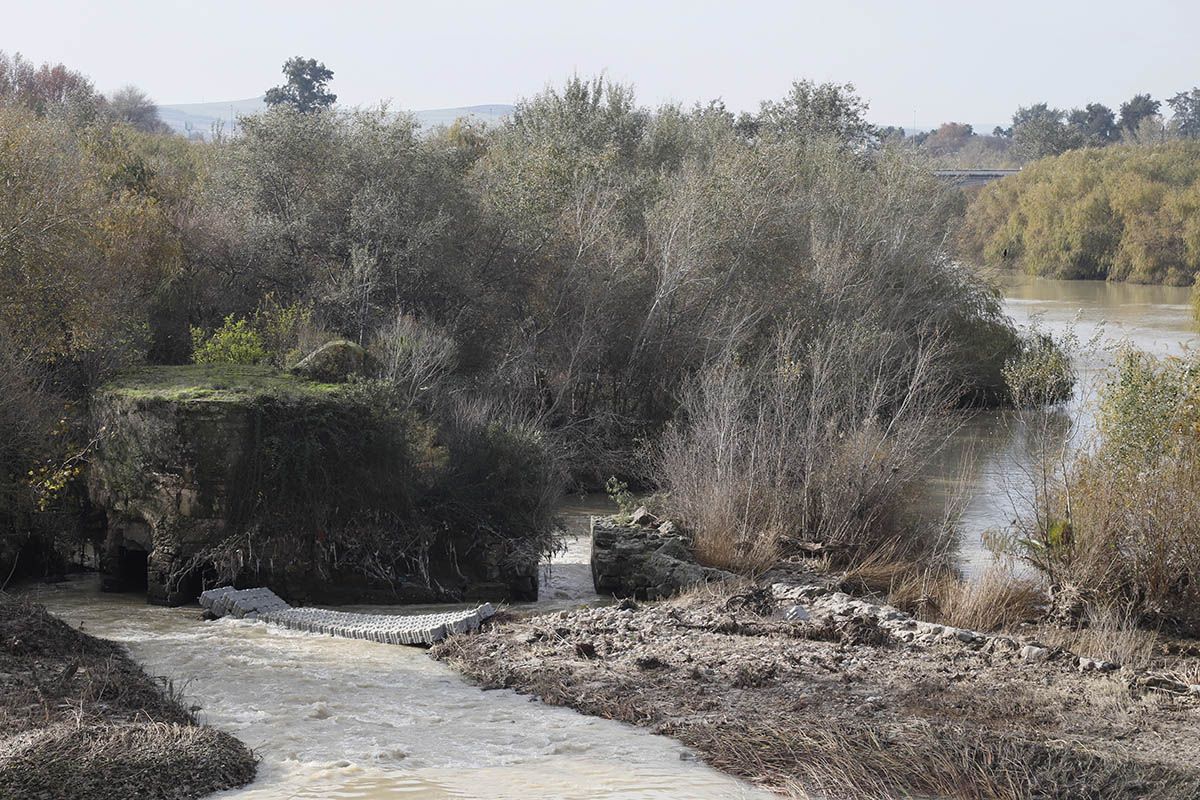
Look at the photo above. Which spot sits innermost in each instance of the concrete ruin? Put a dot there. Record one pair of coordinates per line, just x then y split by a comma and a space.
177, 449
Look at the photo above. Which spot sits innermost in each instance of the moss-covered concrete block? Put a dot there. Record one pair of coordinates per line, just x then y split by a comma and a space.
262, 477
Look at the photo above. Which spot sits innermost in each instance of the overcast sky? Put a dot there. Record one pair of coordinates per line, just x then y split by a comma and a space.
932, 61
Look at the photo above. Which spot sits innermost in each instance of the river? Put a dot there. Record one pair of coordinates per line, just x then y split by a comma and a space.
333, 718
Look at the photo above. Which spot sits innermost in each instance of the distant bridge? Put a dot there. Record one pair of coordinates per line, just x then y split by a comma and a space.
973, 177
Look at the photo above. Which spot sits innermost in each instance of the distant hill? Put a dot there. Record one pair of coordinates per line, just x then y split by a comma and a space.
199, 118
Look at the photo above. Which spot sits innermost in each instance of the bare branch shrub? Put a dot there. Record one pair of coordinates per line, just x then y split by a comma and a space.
415, 357
819, 442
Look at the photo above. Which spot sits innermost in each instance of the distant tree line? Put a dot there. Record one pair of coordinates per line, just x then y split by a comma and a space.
1122, 213
1039, 130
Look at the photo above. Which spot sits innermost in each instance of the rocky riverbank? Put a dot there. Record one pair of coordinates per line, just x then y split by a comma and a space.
79, 720
806, 690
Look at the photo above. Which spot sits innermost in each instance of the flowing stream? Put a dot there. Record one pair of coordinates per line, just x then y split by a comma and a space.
333, 718
341, 719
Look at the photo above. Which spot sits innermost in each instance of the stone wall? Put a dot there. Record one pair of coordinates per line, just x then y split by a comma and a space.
644, 557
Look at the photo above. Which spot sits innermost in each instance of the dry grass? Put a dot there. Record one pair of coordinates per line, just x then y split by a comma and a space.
866, 761
1109, 634
79, 720
100, 761
996, 600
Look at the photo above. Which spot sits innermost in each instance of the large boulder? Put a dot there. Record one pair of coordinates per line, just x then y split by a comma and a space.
335, 362
645, 561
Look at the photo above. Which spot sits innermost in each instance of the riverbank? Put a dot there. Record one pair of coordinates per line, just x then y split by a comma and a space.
841, 705
80, 720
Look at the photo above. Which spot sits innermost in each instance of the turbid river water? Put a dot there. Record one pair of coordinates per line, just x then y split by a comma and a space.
333, 718
341, 719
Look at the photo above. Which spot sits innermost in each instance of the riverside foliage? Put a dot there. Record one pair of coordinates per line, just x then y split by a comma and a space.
578, 264
1121, 213
1117, 531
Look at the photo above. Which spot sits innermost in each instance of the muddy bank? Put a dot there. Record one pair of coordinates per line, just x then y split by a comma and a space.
839, 704
80, 720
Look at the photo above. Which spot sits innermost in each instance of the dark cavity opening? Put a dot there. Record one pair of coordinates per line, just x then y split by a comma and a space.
131, 570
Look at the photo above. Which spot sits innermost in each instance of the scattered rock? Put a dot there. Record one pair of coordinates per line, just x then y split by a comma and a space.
1098, 664
1034, 654
643, 517
797, 613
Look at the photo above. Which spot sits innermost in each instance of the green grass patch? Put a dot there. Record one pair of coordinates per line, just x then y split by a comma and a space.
214, 383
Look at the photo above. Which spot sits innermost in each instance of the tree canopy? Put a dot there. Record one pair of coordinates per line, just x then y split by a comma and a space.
305, 89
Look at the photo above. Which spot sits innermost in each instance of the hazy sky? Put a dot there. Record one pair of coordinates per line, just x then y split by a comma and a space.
965, 60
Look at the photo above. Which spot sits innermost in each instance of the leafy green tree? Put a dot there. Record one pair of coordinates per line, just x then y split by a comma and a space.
1185, 113
1039, 131
305, 89
1136, 109
235, 342
1095, 124
828, 109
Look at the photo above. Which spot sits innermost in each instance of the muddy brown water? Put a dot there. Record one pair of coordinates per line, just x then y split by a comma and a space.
341, 719
333, 718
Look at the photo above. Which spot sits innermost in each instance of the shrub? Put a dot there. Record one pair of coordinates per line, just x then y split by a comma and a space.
502, 478
1121, 213
1041, 372
1120, 529
415, 357
235, 342
287, 332
817, 446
